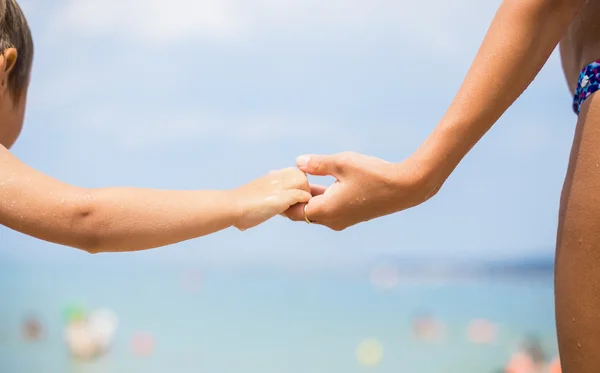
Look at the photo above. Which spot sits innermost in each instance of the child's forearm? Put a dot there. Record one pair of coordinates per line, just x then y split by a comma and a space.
118, 219
129, 219
520, 40
115, 219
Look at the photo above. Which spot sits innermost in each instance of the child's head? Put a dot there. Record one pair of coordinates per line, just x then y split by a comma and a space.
16, 58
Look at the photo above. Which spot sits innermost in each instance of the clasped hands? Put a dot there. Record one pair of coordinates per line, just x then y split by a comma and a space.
365, 188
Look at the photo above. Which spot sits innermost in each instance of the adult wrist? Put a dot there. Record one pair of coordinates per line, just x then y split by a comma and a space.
435, 160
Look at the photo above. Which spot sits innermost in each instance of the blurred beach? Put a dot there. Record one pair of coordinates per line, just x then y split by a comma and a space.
212, 94
186, 319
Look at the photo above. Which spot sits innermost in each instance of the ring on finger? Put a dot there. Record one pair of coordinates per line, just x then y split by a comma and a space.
306, 219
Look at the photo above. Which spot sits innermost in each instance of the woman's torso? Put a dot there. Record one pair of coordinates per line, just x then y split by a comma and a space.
581, 43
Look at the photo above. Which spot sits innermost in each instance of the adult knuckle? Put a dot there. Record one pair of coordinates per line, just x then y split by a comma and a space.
347, 155
316, 164
341, 157
344, 159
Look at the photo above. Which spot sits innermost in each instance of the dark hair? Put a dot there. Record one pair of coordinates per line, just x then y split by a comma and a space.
15, 33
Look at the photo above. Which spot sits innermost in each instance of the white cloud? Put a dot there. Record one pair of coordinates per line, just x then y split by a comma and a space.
153, 20
438, 28
440, 24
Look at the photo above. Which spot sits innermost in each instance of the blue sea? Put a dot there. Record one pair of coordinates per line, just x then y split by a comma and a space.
261, 321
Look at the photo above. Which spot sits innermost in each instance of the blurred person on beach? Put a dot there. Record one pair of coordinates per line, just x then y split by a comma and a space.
519, 41
531, 358
113, 219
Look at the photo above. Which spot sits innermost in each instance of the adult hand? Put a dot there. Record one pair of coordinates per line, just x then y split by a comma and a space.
365, 188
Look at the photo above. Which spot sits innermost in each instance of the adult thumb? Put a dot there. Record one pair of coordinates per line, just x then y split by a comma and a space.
320, 165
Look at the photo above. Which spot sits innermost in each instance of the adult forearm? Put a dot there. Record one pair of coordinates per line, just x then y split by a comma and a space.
520, 40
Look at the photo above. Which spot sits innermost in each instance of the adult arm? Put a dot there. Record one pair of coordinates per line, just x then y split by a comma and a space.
520, 40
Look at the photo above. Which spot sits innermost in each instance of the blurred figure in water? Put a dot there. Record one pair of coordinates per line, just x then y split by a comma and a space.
32, 329
531, 358
90, 336
427, 328
533, 348
79, 340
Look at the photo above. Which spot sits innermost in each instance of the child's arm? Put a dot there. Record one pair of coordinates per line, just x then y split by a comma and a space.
519, 41
128, 219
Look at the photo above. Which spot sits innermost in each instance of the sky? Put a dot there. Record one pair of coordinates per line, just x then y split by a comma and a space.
210, 94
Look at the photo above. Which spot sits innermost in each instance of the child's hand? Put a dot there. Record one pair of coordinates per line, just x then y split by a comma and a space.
270, 195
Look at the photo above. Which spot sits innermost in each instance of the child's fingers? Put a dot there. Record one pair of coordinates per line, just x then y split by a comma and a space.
290, 198
295, 200
293, 196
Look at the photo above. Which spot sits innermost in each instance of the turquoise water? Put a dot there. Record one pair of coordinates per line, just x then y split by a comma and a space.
268, 323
